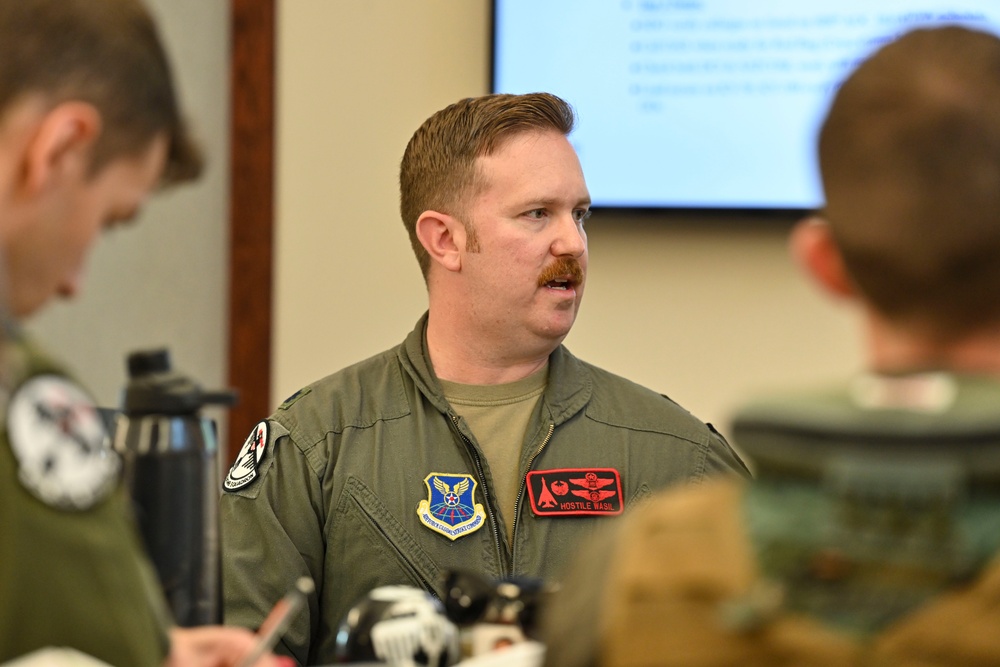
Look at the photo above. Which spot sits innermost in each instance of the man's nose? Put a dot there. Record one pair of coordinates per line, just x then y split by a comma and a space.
571, 240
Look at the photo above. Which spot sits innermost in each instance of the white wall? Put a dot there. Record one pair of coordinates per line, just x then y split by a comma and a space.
705, 313
162, 281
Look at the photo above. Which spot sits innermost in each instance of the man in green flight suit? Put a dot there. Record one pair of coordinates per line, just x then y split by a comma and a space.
480, 442
89, 125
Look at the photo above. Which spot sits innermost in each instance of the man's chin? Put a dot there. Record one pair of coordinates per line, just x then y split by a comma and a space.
557, 329
22, 309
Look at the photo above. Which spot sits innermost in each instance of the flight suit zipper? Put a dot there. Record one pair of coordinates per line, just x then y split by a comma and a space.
520, 492
481, 476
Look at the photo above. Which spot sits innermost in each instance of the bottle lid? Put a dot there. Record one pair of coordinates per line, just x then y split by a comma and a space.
154, 388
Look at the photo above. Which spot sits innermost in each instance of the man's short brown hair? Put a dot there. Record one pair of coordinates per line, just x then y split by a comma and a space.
910, 160
107, 53
438, 171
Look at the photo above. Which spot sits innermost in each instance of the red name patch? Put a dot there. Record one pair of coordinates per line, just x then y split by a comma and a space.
575, 492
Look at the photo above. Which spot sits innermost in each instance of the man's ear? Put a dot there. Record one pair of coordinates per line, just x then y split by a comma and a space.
443, 237
814, 249
62, 144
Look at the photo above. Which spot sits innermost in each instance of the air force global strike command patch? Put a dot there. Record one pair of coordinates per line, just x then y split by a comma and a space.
451, 508
575, 492
244, 470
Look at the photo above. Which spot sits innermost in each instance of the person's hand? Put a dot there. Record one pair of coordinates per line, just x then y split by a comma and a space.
217, 646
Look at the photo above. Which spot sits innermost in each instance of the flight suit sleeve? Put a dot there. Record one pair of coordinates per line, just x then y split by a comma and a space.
272, 519
722, 458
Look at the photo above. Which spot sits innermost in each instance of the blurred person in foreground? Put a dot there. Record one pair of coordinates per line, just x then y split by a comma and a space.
89, 126
480, 442
869, 535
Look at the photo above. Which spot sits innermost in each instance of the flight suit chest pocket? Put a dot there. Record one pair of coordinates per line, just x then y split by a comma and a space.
361, 511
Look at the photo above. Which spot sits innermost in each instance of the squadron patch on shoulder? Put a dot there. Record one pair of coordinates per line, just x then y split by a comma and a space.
575, 492
244, 470
450, 507
60, 443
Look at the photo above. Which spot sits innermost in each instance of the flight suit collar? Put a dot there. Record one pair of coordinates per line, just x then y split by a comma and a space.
569, 388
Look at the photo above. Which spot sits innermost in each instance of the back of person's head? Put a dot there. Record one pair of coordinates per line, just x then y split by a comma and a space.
106, 53
438, 171
910, 161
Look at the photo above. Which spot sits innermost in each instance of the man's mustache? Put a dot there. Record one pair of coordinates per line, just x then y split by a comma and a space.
565, 267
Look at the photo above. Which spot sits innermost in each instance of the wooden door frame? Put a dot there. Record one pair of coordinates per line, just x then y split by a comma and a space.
251, 213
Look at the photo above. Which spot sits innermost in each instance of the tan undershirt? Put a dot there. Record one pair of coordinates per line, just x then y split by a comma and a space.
498, 416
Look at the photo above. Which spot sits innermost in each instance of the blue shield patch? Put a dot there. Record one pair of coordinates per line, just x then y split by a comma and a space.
451, 508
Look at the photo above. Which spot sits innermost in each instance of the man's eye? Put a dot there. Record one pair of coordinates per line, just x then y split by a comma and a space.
536, 214
581, 215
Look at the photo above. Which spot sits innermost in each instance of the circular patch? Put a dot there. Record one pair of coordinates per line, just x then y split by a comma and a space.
60, 443
244, 470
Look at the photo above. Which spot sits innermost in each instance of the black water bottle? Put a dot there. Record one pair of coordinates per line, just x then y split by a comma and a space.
171, 467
